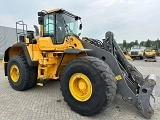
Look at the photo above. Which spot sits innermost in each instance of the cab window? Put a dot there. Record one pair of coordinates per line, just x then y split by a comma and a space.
49, 24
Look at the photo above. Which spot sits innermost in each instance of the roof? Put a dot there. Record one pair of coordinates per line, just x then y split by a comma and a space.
60, 10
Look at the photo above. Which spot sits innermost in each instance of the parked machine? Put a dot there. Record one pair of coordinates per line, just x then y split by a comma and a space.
137, 51
150, 54
91, 71
128, 57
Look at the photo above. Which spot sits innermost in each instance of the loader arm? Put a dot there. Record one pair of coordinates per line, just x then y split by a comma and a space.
130, 83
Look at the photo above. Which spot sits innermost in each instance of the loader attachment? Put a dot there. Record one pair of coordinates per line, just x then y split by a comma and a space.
131, 85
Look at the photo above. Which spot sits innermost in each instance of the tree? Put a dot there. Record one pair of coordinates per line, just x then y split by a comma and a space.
148, 43
136, 42
124, 44
142, 43
131, 44
157, 44
120, 45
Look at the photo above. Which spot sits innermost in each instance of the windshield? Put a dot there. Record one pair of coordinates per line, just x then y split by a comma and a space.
57, 25
71, 25
135, 47
148, 49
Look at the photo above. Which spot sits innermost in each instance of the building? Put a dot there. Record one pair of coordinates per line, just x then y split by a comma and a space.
8, 36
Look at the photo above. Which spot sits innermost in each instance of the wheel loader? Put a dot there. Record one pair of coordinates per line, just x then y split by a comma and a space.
150, 54
91, 72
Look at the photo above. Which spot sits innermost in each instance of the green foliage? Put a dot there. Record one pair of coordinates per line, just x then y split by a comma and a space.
120, 45
142, 43
148, 43
136, 42
124, 43
130, 44
155, 44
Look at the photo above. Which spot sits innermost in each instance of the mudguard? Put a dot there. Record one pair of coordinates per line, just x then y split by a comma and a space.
25, 50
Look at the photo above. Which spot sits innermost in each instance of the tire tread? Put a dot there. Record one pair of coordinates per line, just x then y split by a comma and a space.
31, 73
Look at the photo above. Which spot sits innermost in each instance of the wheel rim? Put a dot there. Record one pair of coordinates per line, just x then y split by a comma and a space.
14, 73
80, 87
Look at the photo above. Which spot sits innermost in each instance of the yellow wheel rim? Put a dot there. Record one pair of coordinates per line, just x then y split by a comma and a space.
14, 73
80, 87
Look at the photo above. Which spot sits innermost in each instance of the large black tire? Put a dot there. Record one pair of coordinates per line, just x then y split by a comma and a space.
27, 75
102, 80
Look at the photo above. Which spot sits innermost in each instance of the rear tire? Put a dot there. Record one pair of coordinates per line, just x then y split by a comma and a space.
27, 75
102, 81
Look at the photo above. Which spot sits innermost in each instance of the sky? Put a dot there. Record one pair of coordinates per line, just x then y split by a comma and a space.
127, 19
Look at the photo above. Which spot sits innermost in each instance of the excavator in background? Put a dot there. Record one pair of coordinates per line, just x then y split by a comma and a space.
91, 71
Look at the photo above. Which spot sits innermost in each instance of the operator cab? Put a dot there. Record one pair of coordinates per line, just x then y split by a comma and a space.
58, 23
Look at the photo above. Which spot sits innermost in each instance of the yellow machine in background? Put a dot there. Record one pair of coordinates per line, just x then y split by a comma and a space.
91, 72
150, 54
127, 55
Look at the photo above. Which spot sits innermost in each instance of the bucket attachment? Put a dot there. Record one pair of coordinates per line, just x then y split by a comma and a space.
140, 96
145, 97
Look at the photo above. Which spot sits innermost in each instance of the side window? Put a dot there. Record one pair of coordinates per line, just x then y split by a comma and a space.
49, 25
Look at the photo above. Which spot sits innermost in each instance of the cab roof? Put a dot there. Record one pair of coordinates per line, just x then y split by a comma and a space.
60, 10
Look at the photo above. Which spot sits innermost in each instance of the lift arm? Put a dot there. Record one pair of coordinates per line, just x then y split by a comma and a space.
130, 83
142, 88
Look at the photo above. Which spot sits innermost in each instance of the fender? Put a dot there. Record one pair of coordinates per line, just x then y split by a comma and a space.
103, 55
25, 50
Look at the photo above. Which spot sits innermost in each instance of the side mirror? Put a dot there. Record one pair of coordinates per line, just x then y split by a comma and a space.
41, 20
41, 13
80, 26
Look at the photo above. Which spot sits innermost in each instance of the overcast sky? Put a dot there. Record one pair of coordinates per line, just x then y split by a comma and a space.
127, 19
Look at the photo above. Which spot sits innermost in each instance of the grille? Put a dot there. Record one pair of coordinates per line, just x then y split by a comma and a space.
134, 53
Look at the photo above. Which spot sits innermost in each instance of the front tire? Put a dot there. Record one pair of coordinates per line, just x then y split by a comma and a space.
20, 75
88, 85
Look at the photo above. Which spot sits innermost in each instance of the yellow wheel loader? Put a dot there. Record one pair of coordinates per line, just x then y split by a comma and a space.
91, 71
150, 55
